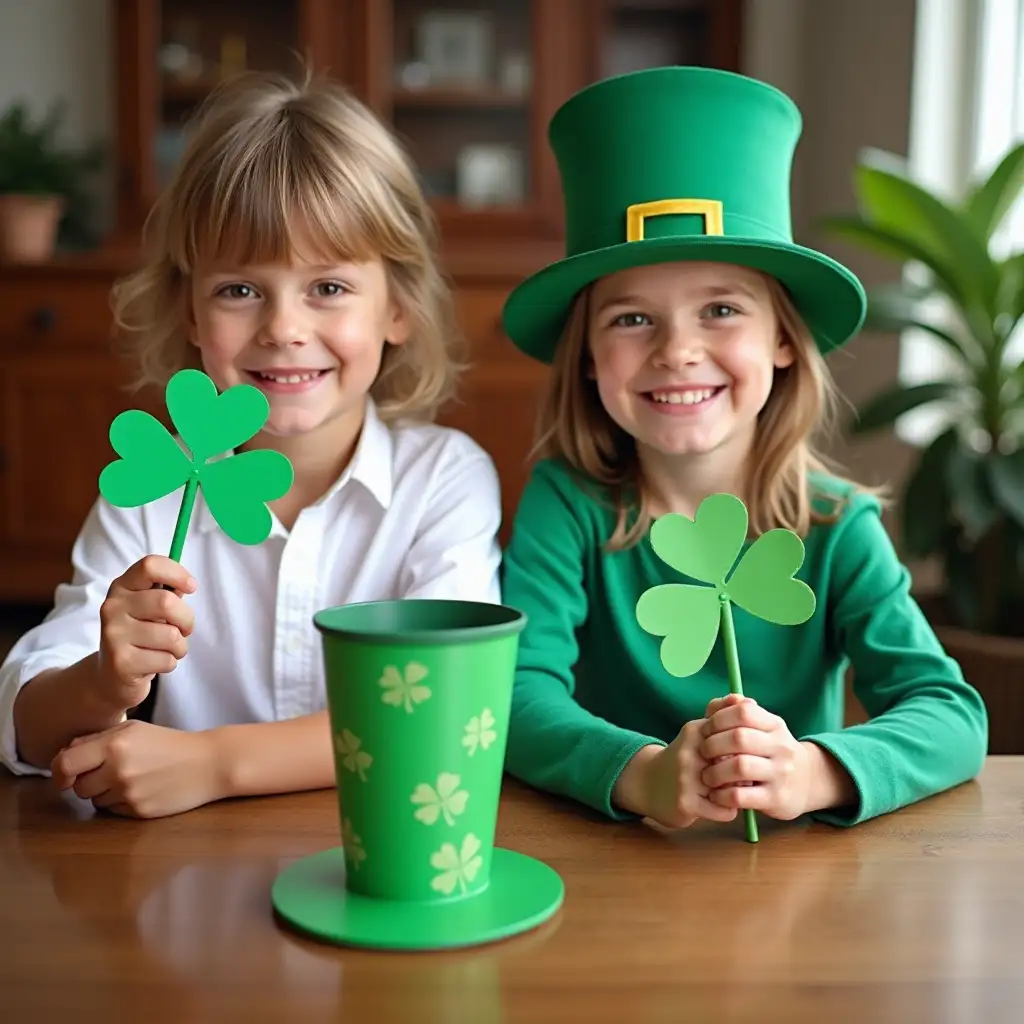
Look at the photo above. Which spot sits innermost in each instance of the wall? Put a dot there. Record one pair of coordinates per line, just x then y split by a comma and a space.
60, 49
848, 65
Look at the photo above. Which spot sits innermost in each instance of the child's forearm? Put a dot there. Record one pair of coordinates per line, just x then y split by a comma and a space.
830, 784
57, 706
630, 790
274, 757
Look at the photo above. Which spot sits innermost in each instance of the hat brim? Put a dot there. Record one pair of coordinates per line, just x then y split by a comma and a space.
829, 297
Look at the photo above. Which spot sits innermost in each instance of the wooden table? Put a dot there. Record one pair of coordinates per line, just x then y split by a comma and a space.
915, 917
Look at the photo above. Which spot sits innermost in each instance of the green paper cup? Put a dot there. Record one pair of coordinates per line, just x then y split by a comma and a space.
419, 694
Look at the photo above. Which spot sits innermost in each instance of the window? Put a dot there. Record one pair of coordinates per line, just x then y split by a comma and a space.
967, 110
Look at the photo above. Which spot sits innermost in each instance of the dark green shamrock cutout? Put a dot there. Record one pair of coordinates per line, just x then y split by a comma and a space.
689, 615
153, 463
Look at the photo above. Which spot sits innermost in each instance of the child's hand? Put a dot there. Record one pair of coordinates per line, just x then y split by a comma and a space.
140, 770
753, 759
664, 783
143, 630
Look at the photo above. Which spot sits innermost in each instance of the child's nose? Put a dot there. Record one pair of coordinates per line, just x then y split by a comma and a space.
283, 324
679, 347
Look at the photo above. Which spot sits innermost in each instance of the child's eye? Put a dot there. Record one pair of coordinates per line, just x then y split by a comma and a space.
631, 320
720, 311
237, 291
330, 289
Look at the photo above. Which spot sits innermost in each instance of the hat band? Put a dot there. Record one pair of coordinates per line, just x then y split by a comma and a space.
709, 209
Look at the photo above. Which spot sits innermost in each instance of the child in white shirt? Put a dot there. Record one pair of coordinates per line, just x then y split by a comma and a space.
293, 251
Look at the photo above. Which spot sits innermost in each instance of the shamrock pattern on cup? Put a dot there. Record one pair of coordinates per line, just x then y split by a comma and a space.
440, 798
404, 689
353, 758
456, 867
479, 732
445, 800
352, 845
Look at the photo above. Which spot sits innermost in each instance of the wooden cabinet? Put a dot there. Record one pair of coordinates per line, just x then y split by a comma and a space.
468, 85
61, 384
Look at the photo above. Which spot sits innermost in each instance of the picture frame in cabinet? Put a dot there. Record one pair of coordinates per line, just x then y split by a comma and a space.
456, 47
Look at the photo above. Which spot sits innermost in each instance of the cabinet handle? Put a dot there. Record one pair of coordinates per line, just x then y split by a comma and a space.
44, 318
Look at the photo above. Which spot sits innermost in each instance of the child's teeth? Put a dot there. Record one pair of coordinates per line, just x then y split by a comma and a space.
683, 397
292, 378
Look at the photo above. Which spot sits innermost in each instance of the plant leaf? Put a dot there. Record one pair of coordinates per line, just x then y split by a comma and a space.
971, 493
763, 582
1006, 474
926, 501
955, 250
1016, 380
1011, 290
152, 463
885, 243
237, 487
687, 616
892, 246
705, 547
893, 308
211, 424
884, 409
991, 199
960, 569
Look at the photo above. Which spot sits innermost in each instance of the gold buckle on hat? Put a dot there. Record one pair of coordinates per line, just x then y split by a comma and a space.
709, 209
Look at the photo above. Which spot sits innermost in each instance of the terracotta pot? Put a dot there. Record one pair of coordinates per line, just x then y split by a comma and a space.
28, 227
994, 666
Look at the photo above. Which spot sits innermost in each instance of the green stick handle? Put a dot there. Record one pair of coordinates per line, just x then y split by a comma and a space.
732, 660
188, 500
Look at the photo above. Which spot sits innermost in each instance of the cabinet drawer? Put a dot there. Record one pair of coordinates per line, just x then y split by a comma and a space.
38, 315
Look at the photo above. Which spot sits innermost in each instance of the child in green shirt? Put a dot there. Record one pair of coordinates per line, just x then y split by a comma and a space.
686, 333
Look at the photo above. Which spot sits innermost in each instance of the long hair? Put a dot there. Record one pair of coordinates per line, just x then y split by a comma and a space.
575, 427
267, 156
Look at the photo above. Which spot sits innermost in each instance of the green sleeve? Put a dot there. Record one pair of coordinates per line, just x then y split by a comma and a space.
929, 729
553, 742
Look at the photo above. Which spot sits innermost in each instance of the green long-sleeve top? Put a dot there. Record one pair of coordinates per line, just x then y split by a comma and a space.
590, 689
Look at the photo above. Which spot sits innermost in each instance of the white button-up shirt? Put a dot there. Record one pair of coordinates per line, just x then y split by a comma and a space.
414, 515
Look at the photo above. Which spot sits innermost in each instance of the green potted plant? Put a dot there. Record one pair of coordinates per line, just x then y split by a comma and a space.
41, 184
964, 500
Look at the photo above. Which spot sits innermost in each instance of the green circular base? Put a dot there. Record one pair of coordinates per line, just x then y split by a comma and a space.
311, 895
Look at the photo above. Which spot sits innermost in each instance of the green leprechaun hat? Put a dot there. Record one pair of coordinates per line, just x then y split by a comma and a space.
679, 163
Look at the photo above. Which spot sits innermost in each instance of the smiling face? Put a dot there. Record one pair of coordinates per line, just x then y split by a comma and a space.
684, 355
309, 335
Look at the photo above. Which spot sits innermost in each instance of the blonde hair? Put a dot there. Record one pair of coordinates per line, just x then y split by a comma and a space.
575, 427
264, 154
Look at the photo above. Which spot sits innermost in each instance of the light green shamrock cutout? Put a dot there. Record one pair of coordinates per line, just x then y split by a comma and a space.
689, 615
457, 867
705, 548
403, 689
479, 732
447, 800
152, 463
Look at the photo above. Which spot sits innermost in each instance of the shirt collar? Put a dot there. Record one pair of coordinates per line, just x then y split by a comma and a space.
371, 465
371, 462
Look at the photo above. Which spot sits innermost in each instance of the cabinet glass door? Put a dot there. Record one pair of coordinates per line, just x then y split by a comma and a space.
202, 43
639, 34
461, 98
